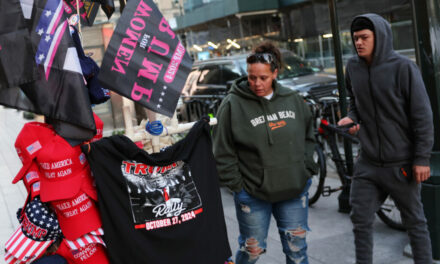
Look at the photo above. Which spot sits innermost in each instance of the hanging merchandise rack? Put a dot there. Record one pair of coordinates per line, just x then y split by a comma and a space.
138, 133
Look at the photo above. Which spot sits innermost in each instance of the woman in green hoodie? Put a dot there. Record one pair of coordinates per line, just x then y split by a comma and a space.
263, 145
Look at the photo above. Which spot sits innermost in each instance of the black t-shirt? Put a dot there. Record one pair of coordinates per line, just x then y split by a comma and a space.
162, 208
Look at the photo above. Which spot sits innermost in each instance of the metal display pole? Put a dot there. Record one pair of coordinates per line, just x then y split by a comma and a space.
343, 198
79, 21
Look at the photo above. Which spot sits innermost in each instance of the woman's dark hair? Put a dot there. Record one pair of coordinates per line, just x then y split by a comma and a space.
259, 55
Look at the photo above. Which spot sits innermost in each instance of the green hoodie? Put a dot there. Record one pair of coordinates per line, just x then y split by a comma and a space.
264, 146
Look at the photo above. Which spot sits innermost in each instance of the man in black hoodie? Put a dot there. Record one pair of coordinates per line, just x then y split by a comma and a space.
389, 103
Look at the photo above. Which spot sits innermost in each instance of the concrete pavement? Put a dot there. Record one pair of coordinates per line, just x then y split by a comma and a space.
330, 239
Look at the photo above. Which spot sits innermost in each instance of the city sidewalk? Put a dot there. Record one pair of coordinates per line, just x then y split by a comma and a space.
330, 239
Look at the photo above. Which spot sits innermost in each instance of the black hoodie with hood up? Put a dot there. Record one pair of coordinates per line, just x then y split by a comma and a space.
388, 98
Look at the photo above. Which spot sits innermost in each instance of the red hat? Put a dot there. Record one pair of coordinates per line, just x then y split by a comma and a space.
99, 128
62, 168
77, 216
88, 186
31, 139
89, 254
31, 180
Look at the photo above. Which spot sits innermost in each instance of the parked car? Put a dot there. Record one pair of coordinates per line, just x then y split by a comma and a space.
210, 80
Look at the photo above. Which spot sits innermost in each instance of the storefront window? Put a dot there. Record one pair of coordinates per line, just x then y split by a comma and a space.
310, 30
303, 29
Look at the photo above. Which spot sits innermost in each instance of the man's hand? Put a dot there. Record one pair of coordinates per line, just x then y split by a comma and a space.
421, 173
347, 120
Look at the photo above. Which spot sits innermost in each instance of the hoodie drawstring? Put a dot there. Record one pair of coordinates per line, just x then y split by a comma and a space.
269, 132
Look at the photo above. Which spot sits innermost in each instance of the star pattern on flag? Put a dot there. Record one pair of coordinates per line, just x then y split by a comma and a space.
42, 218
162, 94
51, 27
41, 57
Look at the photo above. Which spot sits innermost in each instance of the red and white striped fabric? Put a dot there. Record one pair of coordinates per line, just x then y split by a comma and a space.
11, 260
90, 238
24, 249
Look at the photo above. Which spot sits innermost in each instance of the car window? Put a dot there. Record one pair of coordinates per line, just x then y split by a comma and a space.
229, 72
243, 65
191, 83
294, 67
210, 74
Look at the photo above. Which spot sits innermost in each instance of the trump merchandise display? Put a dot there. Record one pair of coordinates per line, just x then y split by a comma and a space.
164, 207
61, 203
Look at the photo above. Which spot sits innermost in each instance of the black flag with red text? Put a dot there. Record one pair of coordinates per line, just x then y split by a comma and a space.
144, 60
87, 9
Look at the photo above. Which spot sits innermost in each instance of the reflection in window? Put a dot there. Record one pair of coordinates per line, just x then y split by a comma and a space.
309, 29
230, 72
210, 75
294, 67
190, 84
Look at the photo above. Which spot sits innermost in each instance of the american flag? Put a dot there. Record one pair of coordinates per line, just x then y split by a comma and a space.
34, 147
51, 27
32, 175
90, 238
35, 190
82, 158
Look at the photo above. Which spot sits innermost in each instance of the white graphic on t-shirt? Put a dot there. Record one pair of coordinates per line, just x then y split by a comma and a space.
161, 196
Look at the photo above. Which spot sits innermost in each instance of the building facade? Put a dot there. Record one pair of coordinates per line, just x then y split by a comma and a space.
302, 26
212, 28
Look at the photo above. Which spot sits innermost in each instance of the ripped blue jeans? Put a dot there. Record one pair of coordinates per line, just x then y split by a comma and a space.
254, 218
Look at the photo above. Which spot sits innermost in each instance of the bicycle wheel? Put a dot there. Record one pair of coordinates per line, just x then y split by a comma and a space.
318, 179
390, 215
